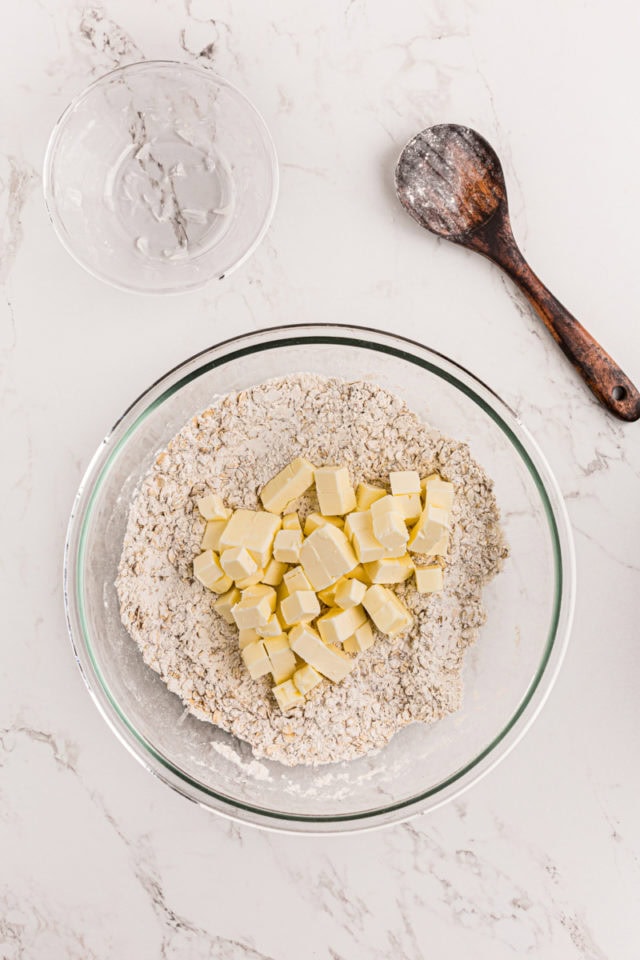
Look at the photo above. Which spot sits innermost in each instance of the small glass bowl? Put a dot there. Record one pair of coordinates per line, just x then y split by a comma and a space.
507, 674
160, 176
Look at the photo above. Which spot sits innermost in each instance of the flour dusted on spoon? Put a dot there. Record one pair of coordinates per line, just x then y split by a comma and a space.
233, 449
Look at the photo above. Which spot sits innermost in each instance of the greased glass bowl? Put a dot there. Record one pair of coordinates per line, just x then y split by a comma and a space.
508, 673
160, 176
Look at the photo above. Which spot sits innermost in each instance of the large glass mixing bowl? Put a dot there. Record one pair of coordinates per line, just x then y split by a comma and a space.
507, 674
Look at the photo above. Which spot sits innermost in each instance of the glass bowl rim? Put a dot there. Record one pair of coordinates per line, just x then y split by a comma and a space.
341, 335
50, 156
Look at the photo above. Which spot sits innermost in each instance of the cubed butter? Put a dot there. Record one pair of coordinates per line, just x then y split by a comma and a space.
224, 603
256, 660
255, 578
404, 481
274, 572
238, 563
315, 520
300, 607
350, 593
212, 507
328, 595
306, 678
254, 530
295, 579
207, 569
255, 607
212, 534
326, 556
390, 570
245, 637
325, 658
337, 625
429, 579
286, 546
287, 695
291, 522
366, 494
287, 485
410, 506
281, 657
439, 492
388, 524
430, 532
386, 610
336, 495
359, 528
361, 640
271, 628
358, 573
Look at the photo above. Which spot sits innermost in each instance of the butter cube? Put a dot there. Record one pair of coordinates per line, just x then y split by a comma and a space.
212, 534
359, 528
315, 520
261, 590
207, 569
287, 485
271, 628
350, 593
404, 481
245, 637
212, 507
386, 610
390, 570
366, 494
358, 573
253, 529
224, 603
306, 678
238, 529
326, 556
238, 563
388, 525
291, 522
361, 640
410, 506
439, 492
274, 572
255, 607
429, 579
286, 546
295, 579
251, 581
256, 660
328, 595
430, 532
281, 657
335, 492
299, 607
263, 531
337, 625
223, 585
325, 658
287, 695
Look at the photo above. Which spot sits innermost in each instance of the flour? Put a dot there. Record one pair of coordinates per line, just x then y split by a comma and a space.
233, 449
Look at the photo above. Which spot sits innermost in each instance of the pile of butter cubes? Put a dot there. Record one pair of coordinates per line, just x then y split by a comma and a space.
304, 599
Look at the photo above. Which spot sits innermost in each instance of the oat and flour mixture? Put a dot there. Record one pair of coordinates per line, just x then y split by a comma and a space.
233, 449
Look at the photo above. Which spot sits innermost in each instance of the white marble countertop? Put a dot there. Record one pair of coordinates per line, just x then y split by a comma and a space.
542, 858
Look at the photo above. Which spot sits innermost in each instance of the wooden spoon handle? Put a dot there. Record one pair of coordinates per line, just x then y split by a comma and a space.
602, 374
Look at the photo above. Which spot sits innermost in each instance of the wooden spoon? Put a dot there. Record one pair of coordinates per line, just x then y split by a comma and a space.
450, 180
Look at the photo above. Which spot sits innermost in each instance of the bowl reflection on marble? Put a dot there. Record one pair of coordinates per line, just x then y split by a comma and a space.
507, 674
160, 176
